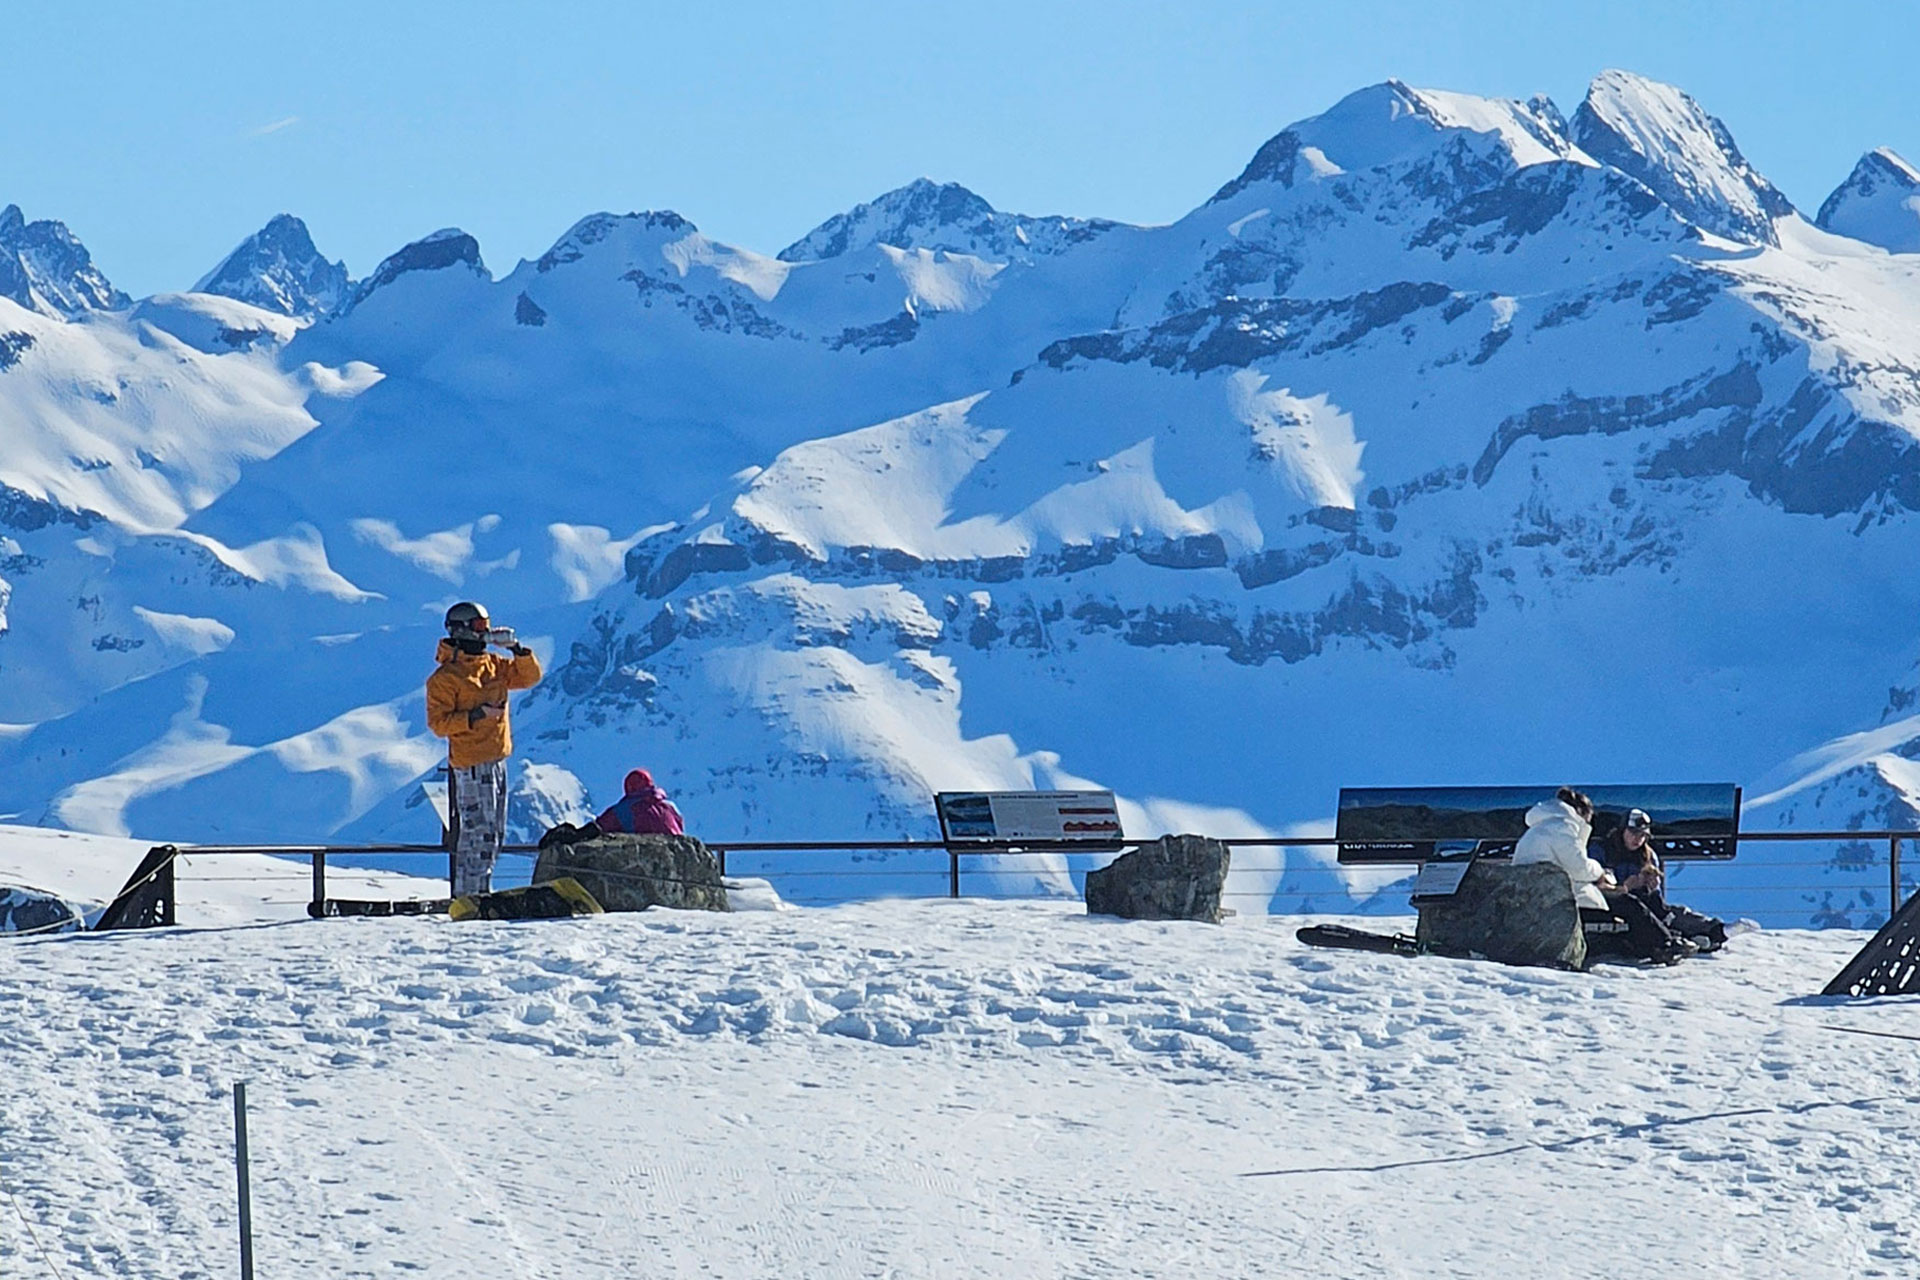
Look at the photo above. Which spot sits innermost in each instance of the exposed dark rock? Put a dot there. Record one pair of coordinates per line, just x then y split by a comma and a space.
632, 873
708, 311
1200, 551
25, 513
1494, 219
904, 327
1173, 878
1287, 562
1736, 388
690, 558
528, 312
1522, 914
439, 251
1235, 332
1681, 296
1273, 162
1495, 339
13, 346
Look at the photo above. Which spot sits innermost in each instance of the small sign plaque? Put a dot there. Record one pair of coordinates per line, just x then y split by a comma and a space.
1441, 879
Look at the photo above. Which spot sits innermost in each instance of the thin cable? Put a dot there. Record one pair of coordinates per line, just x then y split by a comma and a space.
45, 1256
1862, 1031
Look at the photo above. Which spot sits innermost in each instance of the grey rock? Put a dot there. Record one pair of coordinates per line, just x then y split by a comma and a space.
1522, 914
36, 911
632, 873
1173, 878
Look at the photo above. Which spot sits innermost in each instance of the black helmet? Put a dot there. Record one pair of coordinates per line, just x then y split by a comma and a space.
466, 618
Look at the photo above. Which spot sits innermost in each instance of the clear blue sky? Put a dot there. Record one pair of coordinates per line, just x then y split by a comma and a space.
164, 132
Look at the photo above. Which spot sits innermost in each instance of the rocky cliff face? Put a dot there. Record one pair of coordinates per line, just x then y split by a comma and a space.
45, 269
278, 268
1438, 436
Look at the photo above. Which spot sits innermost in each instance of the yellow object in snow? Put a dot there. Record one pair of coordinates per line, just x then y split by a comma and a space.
553, 900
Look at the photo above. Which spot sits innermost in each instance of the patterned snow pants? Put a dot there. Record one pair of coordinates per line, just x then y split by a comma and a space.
479, 824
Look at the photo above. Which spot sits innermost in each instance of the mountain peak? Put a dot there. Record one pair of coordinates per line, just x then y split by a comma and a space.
45, 269
1878, 203
926, 214
1661, 136
278, 268
596, 227
447, 247
1392, 122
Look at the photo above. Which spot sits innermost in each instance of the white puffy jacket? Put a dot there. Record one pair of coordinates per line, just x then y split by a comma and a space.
1556, 834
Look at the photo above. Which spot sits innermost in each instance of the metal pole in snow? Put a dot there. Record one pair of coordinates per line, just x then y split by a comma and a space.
240, 1167
1893, 867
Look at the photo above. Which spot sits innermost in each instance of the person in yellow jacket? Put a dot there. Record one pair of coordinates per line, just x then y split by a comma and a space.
467, 705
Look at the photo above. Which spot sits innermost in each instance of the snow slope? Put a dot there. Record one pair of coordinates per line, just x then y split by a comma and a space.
937, 1089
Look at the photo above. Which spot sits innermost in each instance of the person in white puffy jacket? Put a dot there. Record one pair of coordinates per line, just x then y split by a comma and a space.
1557, 832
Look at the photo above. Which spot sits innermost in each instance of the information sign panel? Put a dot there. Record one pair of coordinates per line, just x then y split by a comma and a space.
1080, 819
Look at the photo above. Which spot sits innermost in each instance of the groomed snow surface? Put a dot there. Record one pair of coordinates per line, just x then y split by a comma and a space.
935, 1088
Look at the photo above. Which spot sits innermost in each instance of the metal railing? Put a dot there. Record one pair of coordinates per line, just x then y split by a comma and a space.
951, 864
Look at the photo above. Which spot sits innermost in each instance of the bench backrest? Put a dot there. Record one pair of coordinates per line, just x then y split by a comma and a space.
1691, 820
1074, 820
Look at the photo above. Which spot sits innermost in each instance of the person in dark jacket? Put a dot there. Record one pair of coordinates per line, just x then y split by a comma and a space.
1628, 854
1557, 832
644, 810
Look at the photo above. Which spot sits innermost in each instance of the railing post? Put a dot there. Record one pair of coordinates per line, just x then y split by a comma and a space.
241, 1177
319, 883
953, 872
1893, 871
721, 855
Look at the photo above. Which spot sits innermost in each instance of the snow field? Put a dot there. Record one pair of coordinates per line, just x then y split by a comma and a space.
940, 1088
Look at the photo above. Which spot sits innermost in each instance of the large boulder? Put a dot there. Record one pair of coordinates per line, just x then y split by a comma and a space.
36, 911
1174, 878
1523, 914
632, 873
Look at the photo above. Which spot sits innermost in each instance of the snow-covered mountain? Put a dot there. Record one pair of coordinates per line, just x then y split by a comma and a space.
1449, 441
278, 268
45, 269
942, 217
1659, 135
1878, 203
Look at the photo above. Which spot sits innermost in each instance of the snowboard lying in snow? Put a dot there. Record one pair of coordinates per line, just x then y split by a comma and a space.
1339, 935
552, 900
331, 907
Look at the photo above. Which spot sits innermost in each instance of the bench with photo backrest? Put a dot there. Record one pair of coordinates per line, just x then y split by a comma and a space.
1447, 831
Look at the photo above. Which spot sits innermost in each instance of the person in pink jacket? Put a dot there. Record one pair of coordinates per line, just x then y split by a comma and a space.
643, 811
